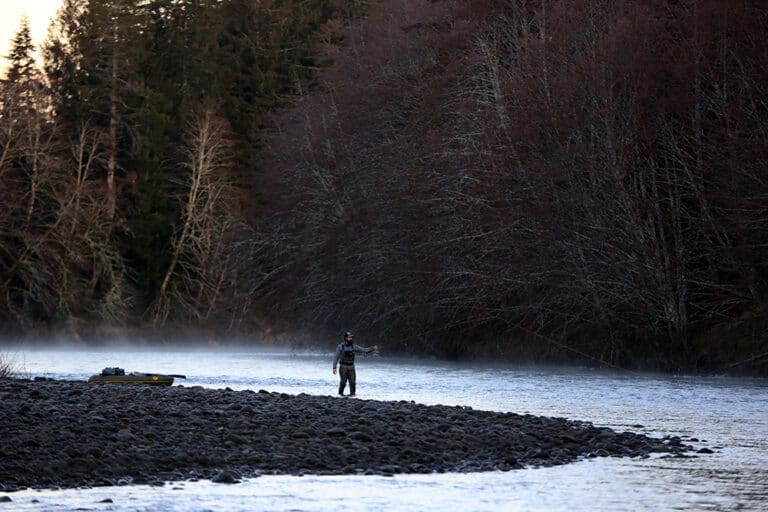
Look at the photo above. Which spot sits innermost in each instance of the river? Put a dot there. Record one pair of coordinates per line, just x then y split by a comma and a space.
729, 415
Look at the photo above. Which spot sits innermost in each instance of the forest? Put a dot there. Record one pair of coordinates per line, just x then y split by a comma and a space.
527, 180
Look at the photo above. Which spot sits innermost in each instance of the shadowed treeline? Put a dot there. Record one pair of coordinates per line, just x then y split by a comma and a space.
532, 179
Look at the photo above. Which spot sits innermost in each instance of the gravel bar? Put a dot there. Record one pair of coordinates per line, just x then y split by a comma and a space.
64, 434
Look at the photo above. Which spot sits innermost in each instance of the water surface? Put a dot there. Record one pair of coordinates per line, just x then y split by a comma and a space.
729, 415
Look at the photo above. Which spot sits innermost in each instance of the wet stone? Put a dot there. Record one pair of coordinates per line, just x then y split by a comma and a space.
226, 477
360, 436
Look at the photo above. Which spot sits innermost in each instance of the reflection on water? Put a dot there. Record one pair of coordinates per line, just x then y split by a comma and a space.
728, 413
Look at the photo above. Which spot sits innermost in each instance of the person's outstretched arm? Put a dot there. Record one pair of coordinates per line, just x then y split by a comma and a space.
365, 350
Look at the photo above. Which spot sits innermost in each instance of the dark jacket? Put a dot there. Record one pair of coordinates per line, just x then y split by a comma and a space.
354, 349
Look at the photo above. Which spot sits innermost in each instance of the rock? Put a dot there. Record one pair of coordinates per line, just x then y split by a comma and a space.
234, 439
336, 431
226, 476
360, 436
124, 435
5, 499
704, 450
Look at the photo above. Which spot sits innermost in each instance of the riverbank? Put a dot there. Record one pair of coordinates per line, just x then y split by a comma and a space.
59, 434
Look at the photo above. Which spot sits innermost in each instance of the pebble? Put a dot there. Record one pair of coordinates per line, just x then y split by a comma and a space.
226, 476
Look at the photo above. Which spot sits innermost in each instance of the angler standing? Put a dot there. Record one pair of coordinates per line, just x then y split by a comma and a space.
345, 357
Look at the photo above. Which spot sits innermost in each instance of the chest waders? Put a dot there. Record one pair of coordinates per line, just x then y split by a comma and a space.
347, 369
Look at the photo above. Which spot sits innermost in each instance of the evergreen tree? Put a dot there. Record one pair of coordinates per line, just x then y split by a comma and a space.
23, 78
21, 57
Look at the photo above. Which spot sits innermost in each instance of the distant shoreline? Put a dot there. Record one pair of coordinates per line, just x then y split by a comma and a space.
742, 357
64, 434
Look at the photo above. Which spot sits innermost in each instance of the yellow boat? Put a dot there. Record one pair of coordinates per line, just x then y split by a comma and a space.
118, 376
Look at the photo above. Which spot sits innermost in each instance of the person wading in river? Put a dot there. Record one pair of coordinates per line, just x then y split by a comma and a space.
345, 357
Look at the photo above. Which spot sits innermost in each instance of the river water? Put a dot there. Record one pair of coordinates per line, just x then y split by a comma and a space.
729, 415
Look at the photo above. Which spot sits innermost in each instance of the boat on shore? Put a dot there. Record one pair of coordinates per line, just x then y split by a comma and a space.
118, 376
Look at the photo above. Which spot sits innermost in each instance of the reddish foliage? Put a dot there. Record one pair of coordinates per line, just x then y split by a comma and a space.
490, 167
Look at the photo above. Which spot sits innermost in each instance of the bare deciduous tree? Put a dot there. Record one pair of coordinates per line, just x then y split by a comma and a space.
200, 272
59, 260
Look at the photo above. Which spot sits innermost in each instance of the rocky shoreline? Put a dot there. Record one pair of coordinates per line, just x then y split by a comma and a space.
60, 434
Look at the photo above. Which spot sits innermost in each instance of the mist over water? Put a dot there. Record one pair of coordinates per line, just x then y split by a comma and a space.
729, 415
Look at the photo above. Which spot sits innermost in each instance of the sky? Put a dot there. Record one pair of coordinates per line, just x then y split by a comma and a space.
39, 12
